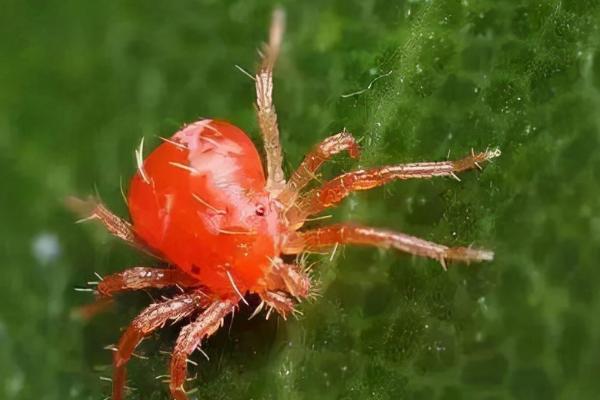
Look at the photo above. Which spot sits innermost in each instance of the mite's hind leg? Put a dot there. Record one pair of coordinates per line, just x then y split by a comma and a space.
144, 277
267, 117
190, 338
329, 236
134, 279
335, 190
152, 318
312, 162
92, 209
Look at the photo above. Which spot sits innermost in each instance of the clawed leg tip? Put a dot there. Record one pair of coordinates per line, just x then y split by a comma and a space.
493, 153
481, 256
487, 255
82, 207
468, 255
443, 264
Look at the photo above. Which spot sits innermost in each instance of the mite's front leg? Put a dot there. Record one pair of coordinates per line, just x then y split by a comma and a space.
267, 117
343, 141
335, 190
190, 338
326, 237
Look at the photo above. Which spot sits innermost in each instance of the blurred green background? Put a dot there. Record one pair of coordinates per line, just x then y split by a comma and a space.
81, 82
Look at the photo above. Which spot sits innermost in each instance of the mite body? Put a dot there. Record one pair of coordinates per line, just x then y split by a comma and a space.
202, 202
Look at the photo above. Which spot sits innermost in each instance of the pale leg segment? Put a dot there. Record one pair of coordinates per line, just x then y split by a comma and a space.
343, 141
267, 117
137, 278
152, 318
335, 190
278, 301
326, 237
92, 209
190, 338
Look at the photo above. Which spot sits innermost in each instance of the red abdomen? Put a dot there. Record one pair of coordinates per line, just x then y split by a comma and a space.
199, 199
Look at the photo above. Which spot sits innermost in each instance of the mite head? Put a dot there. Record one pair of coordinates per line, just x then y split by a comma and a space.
297, 282
261, 213
289, 278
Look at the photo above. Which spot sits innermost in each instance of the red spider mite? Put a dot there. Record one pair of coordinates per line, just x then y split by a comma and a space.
201, 202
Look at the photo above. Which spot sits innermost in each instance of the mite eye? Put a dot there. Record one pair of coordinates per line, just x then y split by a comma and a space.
260, 210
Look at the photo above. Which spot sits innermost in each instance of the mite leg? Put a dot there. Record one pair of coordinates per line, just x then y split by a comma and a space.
335, 190
278, 301
329, 236
134, 279
92, 209
267, 117
313, 161
88, 311
144, 277
153, 317
286, 278
190, 337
